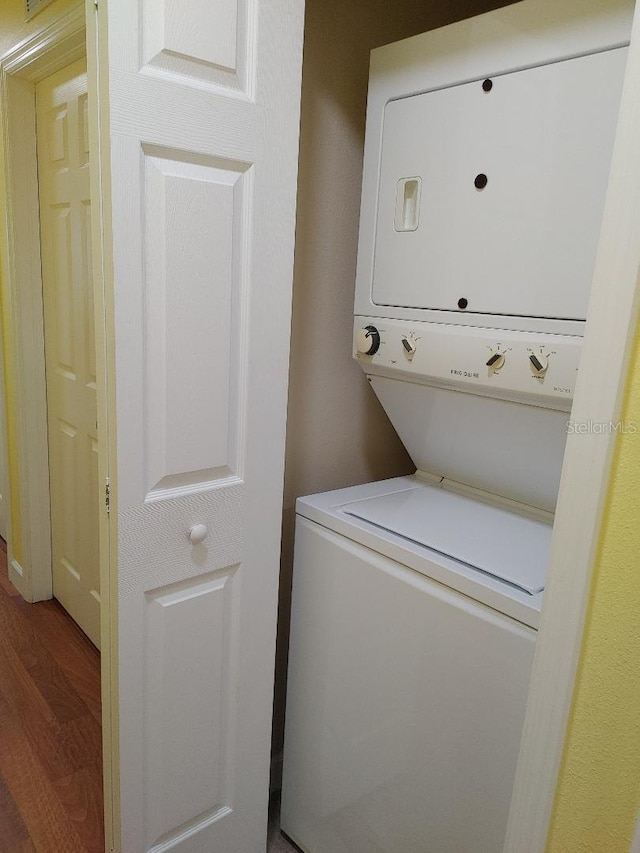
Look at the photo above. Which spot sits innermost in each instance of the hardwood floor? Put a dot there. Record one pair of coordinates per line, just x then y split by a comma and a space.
50, 729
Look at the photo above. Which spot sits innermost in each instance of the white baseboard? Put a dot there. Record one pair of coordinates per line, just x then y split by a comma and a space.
14, 566
17, 578
636, 840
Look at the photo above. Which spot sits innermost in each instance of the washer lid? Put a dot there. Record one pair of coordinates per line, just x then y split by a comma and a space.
495, 541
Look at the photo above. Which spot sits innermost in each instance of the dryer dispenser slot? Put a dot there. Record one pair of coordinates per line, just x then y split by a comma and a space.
407, 216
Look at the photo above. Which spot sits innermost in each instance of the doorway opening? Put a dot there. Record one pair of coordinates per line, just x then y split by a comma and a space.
69, 342
57, 531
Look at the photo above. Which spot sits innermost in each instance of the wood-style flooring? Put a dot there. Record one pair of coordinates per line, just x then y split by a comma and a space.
50, 731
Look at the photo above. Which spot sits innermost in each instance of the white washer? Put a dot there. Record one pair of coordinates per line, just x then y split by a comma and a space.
408, 669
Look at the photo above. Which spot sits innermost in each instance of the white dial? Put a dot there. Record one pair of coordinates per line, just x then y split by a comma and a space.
368, 340
539, 363
409, 344
495, 361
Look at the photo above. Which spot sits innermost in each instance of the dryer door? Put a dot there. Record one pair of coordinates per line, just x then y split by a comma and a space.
493, 194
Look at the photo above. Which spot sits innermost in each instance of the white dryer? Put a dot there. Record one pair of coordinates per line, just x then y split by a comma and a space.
416, 600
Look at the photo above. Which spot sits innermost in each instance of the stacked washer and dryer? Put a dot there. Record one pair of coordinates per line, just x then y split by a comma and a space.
416, 600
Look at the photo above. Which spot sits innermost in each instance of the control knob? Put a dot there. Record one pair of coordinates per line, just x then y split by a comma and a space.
539, 363
368, 340
409, 345
496, 361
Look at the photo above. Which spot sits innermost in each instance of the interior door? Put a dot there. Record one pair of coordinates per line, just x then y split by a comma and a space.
200, 108
70, 350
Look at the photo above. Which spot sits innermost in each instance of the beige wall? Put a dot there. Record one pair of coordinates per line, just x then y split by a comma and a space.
337, 433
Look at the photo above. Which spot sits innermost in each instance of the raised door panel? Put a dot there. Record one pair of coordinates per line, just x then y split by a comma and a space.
201, 42
57, 132
193, 280
89, 359
189, 748
60, 290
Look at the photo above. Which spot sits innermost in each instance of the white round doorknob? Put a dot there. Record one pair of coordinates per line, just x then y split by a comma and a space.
197, 533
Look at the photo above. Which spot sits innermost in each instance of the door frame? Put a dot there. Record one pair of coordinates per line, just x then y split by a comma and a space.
68, 38
5, 503
49, 50
610, 336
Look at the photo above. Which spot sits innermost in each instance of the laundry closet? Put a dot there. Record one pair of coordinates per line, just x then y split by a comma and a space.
337, 432
486, 166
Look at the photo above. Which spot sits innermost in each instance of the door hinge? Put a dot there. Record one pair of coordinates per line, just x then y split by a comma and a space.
107, 495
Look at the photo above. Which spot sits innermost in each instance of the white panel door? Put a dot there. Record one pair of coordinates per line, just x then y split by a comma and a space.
70, 350
203, 111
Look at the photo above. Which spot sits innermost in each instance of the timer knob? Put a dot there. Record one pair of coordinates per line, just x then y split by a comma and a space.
368, 340
539, 363
496, 361
409, 345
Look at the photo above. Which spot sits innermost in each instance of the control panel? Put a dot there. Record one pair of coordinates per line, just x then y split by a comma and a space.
539, 369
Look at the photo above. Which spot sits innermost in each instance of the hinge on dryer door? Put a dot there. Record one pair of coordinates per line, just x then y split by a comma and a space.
107, 495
